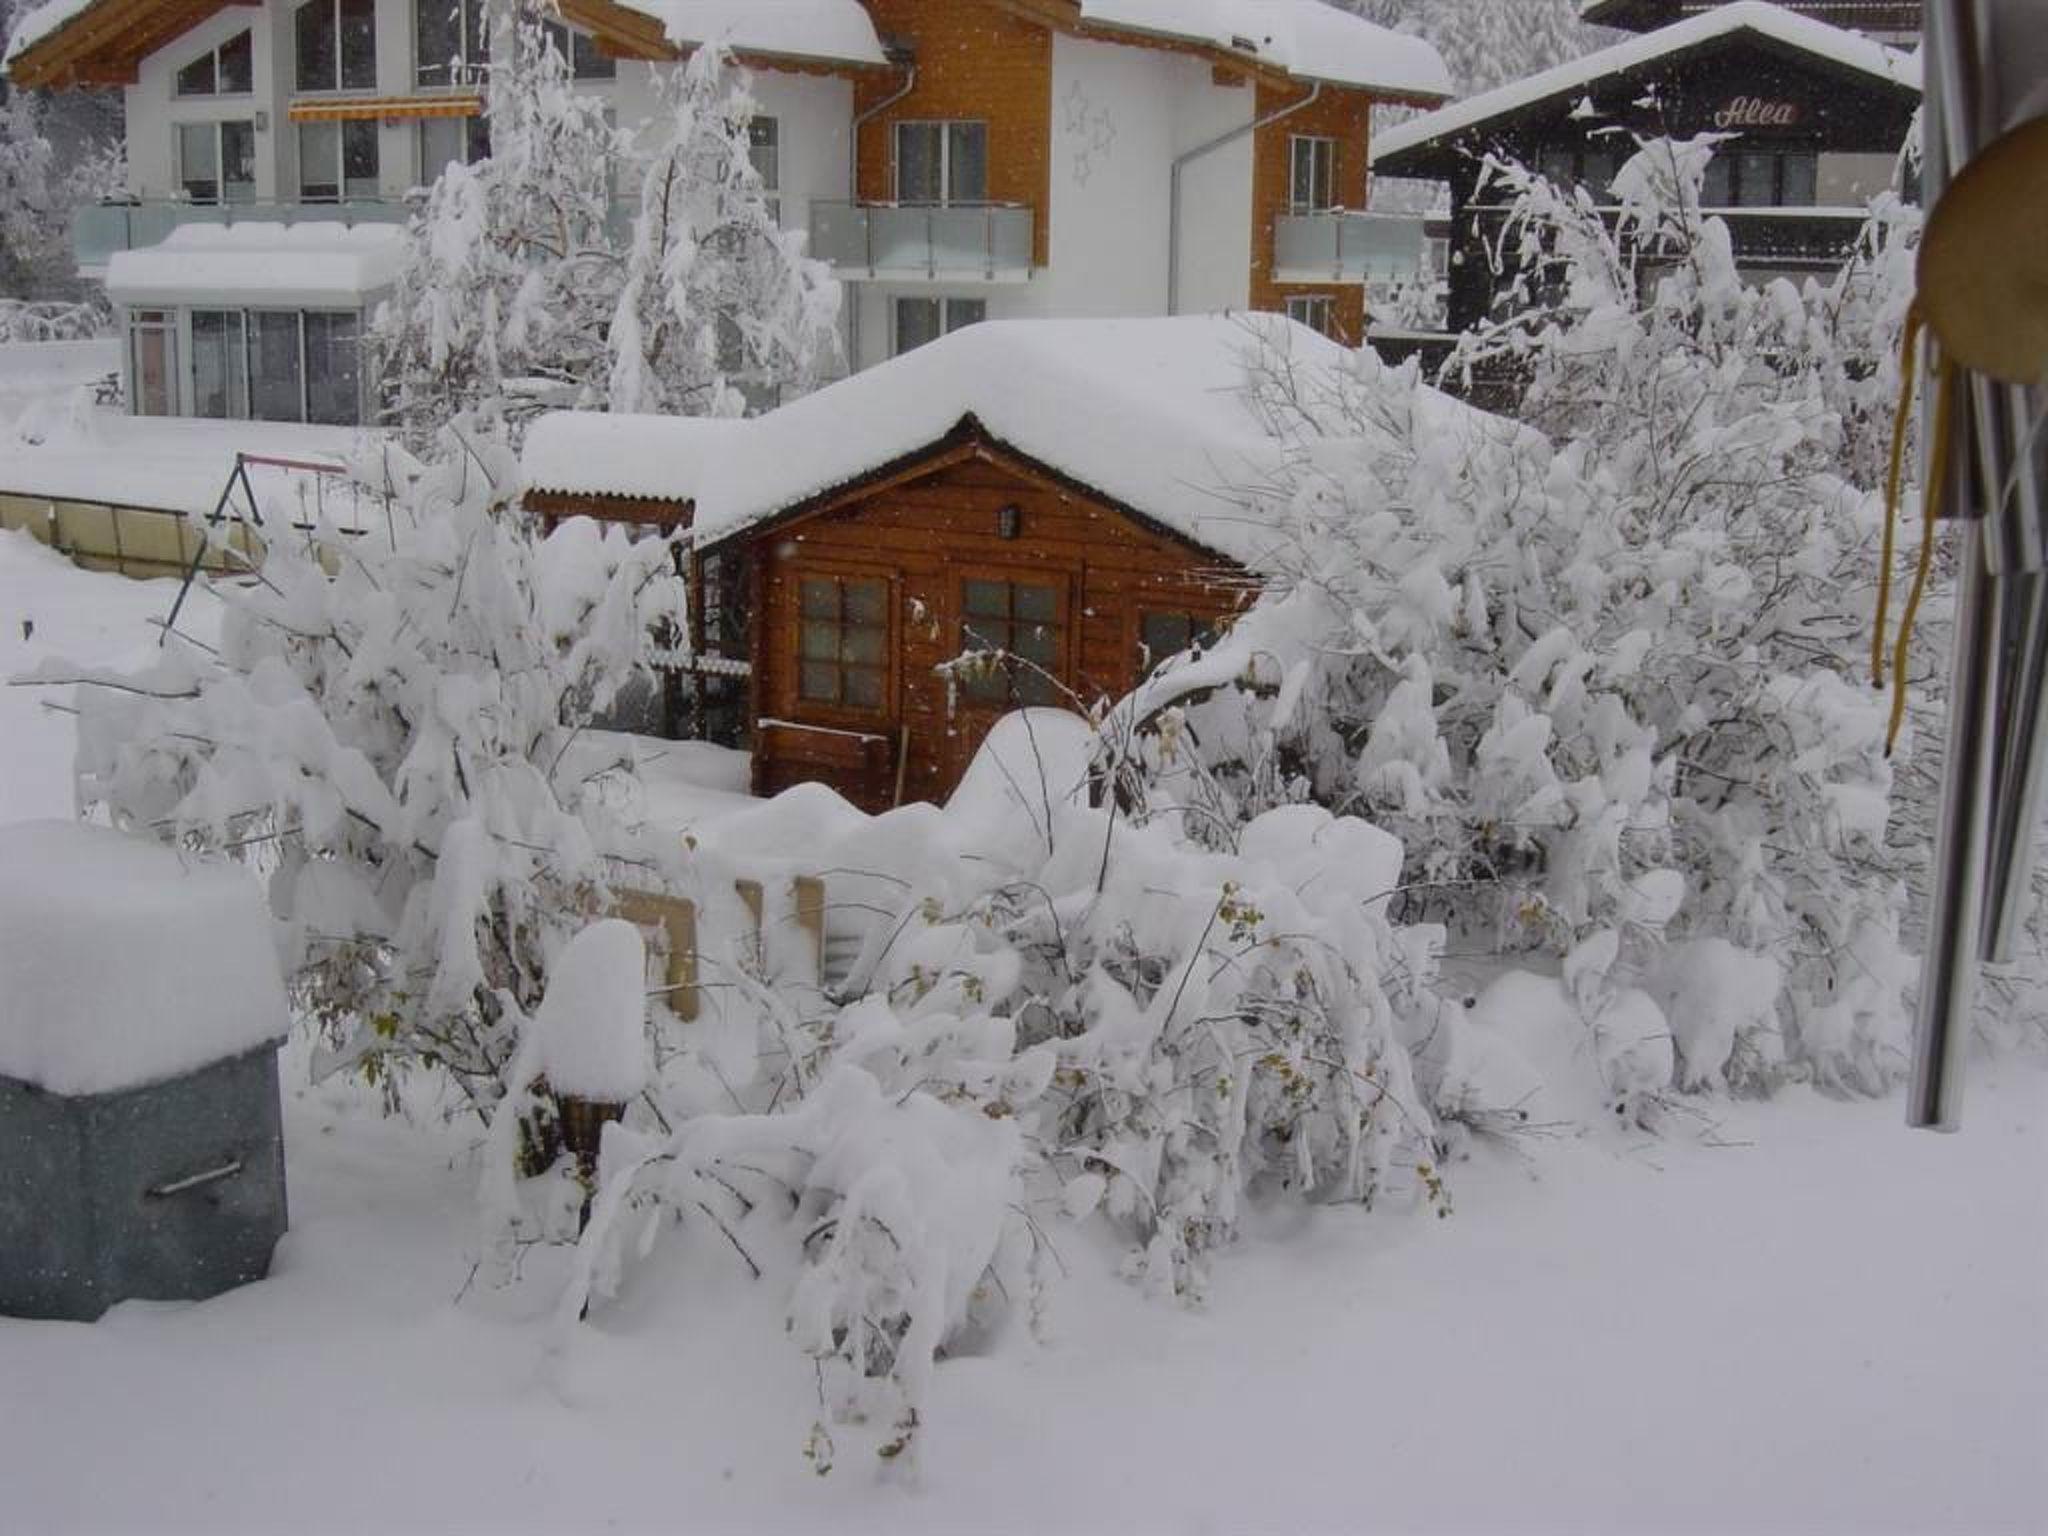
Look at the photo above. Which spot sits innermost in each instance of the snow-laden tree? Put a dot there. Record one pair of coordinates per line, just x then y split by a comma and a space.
1609, 684
387, 724
719, 306
42, 187
512, 269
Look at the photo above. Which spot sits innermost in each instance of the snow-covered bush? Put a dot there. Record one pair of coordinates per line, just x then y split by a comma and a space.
386, 725
719, 307
1606, 683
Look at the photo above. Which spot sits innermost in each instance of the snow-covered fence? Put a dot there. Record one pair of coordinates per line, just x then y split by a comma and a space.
672, 922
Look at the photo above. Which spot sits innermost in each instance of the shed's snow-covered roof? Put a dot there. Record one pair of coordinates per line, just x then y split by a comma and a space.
806, 29
124, 963
1849, 50
311, 265
1306, 38
1159, 415
591, 453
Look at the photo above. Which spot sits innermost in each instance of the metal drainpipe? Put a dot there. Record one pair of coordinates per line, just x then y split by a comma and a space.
1182, 162
909, 64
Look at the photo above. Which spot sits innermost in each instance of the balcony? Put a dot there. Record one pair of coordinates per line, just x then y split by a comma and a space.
105, 228
924, 242
1337, 246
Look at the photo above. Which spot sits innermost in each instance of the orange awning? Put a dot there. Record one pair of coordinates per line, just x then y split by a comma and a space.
328, 109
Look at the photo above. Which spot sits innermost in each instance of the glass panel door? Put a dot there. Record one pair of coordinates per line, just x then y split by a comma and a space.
276, 381
155, 354
333, 369
967, 162
920, 152
220, 365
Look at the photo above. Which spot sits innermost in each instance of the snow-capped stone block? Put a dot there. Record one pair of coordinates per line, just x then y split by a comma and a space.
141, 1146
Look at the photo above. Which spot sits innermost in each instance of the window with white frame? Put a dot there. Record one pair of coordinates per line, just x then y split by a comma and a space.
451, 41
217, 162
228, 70
276, 365
941, 162
921, 320
446, 141
1312, 174
336, 45
580, 51
1311, 310
338, 160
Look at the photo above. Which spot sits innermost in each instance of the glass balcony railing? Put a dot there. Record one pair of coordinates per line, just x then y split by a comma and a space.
1340, 246
105, 228
992, 241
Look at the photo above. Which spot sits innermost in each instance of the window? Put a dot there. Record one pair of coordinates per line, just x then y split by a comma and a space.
843, 646
276, 378
1161, 635
229, 70
942, 163
921, 320
1311, 310
153, 353
338, 161
451, 41
1312, 178
581, 53
337, 45
446, 141
220, 365
1022, 620
333, 369
1761, 178
217, 162
1592, 166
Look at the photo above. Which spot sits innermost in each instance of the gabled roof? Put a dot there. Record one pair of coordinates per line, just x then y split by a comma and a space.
1831, 46
1163, 418
102, 42
1307, 39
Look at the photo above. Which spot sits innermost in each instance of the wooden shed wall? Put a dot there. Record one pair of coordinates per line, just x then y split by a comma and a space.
925, 539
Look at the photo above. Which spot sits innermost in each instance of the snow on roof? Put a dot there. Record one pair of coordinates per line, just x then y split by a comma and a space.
124, 963
69, 450
591, 453
807, 29
1848, 49
314, 265
1155, 414
1307, 38
41, 22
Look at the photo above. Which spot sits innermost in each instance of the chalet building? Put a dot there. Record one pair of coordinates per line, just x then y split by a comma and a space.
1895, 23
954, 160
1058, 502
1818, 116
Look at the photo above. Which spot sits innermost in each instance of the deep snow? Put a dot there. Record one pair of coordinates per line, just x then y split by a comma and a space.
1790, 1316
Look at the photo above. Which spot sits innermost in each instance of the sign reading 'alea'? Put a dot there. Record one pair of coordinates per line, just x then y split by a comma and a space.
1756, 112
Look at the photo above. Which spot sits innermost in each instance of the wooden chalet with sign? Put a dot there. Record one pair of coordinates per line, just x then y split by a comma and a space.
1817, 114
1026, 513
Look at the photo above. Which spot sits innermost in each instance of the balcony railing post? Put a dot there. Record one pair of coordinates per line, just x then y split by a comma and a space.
988, 241
867, 231
931, 243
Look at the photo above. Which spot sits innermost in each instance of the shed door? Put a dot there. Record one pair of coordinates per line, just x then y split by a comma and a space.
1018, 625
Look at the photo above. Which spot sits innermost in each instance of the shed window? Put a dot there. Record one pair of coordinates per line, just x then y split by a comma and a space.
843, 646
1161, 635
1024, 621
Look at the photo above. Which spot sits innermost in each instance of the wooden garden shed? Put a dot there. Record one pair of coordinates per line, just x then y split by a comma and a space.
1025, 513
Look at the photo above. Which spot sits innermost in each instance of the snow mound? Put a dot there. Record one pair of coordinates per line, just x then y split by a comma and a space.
124, 963
1032, 764
593, 1020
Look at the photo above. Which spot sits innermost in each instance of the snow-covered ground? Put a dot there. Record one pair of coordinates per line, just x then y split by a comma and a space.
1784, 1316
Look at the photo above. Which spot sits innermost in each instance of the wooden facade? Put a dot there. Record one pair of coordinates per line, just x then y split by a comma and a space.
862, 599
